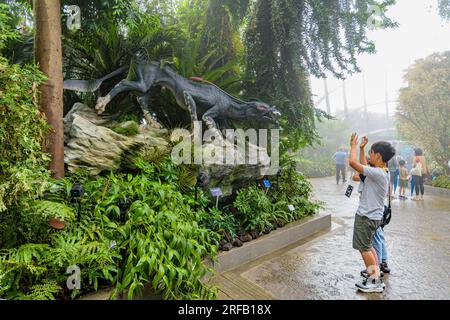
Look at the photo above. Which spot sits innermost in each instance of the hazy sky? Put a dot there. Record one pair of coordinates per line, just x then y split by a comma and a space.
421, 33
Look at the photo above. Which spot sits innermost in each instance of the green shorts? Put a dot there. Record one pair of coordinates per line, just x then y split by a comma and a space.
403, 183
363, 232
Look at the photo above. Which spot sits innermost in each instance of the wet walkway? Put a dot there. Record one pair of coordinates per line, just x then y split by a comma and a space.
326, 267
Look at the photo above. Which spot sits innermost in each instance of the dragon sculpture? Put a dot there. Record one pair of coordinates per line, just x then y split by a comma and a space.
201, 98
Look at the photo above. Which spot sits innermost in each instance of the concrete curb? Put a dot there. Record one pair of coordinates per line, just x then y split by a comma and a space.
437, 191
274, 241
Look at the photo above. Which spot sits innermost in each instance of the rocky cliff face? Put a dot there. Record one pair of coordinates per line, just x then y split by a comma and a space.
91, 144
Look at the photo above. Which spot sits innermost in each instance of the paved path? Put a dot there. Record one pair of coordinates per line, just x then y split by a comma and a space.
326, 267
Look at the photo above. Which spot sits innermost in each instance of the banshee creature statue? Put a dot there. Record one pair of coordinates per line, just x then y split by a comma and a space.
200, 98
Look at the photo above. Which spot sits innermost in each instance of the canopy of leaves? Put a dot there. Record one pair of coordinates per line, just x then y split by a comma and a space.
444, 9
285, 40
424, 110
22, 126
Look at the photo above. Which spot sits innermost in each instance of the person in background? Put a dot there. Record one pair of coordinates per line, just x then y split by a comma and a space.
404, 180
340, 156
418, 173
393, 171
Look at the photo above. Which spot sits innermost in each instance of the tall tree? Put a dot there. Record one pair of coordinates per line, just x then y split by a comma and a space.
221, 33
423, 114
444, 9
287, 40
48, 54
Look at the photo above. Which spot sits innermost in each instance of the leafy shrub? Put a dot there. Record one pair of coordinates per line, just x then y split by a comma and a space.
31, 225
312, 169
255, 208
23, 129
224, 223
129, 128
442, 182
160, 239
294, 189
134, 229
35, 271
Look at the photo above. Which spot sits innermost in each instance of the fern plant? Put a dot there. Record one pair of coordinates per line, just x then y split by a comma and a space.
255, 208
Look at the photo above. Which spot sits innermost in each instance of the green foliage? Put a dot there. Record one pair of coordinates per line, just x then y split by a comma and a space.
46, 291
423, 114
312, 169
285, 40
442, 182
7, 31
30, 224
159, 236
255, 208
223, 223
295, 190
444, 9
156, 239
130, 128
316, 160
23, 129
259, 208
35, 271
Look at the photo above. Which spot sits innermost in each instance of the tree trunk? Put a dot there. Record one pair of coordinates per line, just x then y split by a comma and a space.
48, 53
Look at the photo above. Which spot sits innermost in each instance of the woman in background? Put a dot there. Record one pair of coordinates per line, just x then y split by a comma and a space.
418, 173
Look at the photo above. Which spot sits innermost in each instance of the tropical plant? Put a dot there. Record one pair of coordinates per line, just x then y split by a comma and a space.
134, 229
312, 169
285, 40
255, 209
423, 113
224, 223
23, 129
442, 182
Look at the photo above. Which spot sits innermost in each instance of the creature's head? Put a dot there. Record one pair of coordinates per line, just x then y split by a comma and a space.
261, 111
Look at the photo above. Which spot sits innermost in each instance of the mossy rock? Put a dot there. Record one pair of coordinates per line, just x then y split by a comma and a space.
128, 128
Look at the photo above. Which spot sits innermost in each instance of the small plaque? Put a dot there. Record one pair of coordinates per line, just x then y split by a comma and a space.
267, 183
216, 192
291, 207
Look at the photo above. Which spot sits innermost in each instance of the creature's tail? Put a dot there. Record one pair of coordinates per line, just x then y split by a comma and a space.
91, 85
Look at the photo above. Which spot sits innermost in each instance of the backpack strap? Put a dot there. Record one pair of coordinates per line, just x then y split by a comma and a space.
389, 189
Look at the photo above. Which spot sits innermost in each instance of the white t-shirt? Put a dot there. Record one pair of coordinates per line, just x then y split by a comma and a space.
374, 191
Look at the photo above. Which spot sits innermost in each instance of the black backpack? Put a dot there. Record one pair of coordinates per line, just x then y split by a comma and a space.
387, 215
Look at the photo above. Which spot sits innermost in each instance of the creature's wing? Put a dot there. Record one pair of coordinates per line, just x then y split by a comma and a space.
91, 85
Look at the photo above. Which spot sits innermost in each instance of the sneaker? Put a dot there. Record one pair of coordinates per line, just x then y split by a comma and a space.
384, 267
365, 275
371, 286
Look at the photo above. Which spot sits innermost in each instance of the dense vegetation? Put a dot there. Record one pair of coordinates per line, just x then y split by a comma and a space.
146, 226
442, 182
423, 113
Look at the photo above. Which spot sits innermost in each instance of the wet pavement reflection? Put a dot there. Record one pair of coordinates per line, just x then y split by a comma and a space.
418, 241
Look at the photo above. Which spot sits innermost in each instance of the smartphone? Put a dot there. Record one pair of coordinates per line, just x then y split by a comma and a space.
349, 191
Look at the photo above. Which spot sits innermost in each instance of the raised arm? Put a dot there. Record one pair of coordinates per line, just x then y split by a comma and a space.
356, 177
362, 153
352, 161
